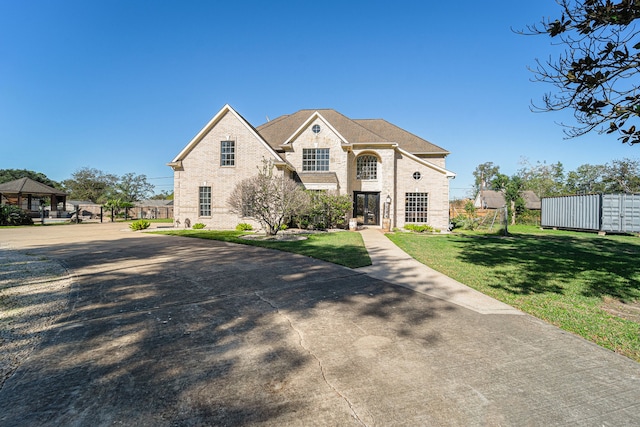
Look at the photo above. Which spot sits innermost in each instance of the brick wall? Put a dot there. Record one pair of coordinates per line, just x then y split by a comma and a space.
433, 182
201, 167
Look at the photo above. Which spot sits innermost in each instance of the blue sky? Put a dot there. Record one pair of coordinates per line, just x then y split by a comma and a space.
123, 86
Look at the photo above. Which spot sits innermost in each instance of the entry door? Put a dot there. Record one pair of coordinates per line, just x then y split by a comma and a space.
367, 208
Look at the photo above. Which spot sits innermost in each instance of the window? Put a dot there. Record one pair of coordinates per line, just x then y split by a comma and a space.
417, 176
415, 207
204, 196
367, 167
315, 129
227, 153
315, 159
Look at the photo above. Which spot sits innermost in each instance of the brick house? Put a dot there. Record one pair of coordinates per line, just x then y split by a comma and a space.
372, 160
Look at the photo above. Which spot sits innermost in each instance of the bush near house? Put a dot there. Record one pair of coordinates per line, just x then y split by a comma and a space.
325, 210
243, 226
420, 228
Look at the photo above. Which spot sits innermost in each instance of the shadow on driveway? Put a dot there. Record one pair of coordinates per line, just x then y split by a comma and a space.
165, 330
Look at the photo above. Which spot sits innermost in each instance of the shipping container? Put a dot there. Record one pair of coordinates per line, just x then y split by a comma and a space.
614, 213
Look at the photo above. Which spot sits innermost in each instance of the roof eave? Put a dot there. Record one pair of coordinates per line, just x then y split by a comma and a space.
447, 172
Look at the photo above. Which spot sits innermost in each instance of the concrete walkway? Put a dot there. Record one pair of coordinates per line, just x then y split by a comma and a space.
391, 264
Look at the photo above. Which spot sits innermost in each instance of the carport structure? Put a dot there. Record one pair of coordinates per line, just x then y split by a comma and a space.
29, 195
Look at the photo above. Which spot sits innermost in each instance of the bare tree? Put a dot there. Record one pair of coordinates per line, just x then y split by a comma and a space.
270, 199
597, 74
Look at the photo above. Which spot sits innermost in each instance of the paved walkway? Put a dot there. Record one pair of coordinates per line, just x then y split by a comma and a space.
391, 264
169, 331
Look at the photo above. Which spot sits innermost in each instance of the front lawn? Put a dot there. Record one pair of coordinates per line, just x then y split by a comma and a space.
343, 248
581, 282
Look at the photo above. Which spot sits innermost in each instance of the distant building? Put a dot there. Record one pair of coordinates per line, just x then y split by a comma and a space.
490, 199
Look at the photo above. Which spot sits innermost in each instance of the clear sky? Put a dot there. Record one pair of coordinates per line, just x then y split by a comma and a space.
123, 85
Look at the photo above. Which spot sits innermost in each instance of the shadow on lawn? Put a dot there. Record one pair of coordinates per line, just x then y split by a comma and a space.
527, 264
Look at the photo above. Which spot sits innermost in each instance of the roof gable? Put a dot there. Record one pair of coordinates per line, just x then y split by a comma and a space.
212, 123
427, 163
284, 129
305, 125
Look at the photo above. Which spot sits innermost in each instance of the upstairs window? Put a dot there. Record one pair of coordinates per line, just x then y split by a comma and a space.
367, 167
315, 159
227, 153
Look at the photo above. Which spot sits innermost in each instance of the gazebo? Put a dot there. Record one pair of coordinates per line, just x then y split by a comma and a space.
29, 195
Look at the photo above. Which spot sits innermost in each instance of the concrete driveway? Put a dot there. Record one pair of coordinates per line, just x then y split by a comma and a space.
164, 331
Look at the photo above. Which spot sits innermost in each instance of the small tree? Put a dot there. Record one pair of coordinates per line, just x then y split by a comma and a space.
270, 199
116, 205
512, 188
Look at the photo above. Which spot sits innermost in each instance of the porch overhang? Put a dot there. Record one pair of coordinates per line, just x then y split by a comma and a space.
319, 180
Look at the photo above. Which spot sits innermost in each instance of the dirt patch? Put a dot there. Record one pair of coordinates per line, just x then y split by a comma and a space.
624, 310
33, 292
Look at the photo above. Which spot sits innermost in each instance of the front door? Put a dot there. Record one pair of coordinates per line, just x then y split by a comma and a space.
366, 208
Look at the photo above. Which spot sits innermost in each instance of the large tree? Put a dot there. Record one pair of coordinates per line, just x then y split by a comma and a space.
7, 175
585, 179
90, 184
132, 188
544, 179
622, 176
597, 75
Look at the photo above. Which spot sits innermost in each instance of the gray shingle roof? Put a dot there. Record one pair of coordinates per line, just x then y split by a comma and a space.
29, 186
495, 199
407, 141
318, 178
278, 130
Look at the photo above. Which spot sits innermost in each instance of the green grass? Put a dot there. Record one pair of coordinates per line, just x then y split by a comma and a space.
341, 248
559, 276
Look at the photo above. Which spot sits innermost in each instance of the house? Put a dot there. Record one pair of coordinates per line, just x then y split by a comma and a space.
490, 199
372, 160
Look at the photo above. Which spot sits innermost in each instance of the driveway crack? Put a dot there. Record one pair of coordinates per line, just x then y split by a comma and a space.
310, 352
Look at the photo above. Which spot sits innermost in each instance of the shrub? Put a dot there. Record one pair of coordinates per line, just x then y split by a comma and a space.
528, 217
419, 228
243, 226
198, 226
464, 222
140, 224
13, 215
326, 210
